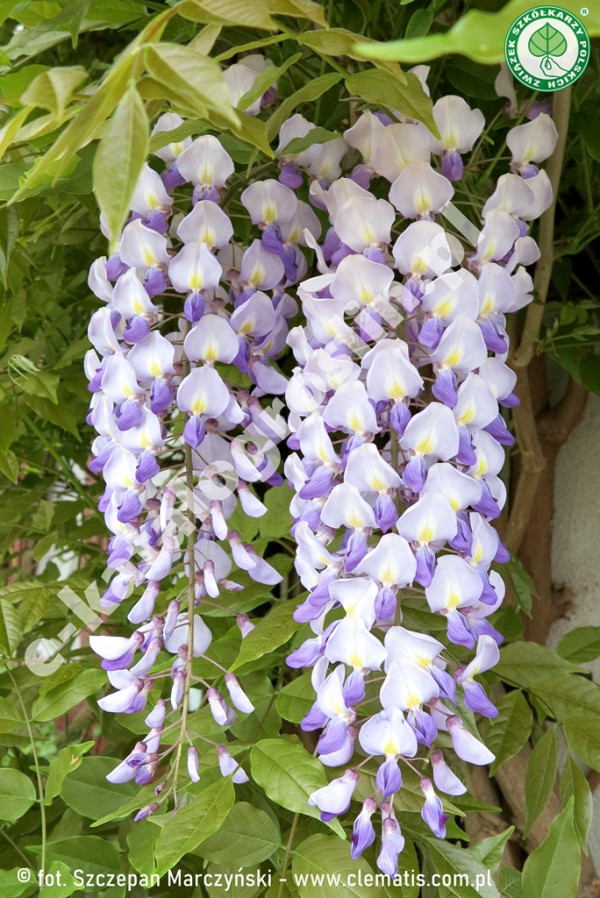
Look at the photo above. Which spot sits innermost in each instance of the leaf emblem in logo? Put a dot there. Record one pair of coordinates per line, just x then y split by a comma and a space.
548, 42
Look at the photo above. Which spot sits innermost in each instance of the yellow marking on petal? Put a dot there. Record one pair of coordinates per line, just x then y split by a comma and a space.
412, 700
477, 555
153, 201
269, 214
453, 358
198, 406
444, 308
138, 306
454, 503
210, 353
425, 446
338, 710
149, 258
145, 441
418, 267
396, 391
426, 534
155, 368
368, 235
247, 326
423, 204
481, 468
366, 297
208, 237
467, 415
196, 282
387, 576
453, 600
356, 661
423, 661
126, 390
356, 422
176, 148
258, 274
355, 522
488, 306
377, 484
390, 747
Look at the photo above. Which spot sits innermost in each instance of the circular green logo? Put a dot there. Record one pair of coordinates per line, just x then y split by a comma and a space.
547, 48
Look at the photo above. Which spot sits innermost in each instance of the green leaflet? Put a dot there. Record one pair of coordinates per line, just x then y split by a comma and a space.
552, 870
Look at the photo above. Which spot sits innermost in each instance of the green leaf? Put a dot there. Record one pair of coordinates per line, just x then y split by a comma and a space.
306, 94
9, 231
17, 794
253, 131
323, 856
9, 131
88, 791
10, 886
246, 838
288, 775
9, 716
382, 88
573, 782
580, 645
296, 699
269, 633
140, 846
337, 42
490, 851
477, 34
568, 696
193, 823
11, 628
547, 41
522, 584
56, 161
120, 158
58, 873
540, 778
552, 870
237, 12
526, 663
67, 762
53, 88
9, 466
296, 145
510, 882
91, 854
583, 735
65, 695
456, 861
506, 734
298, 9
191, 78
419, 23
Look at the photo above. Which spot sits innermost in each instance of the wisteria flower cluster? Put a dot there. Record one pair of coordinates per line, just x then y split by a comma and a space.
182, 300
397, 436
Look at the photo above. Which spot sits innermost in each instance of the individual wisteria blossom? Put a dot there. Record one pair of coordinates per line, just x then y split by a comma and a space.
398, 438
181, 301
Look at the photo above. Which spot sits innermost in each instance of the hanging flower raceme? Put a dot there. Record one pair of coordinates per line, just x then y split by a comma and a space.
398, 440
179, 444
